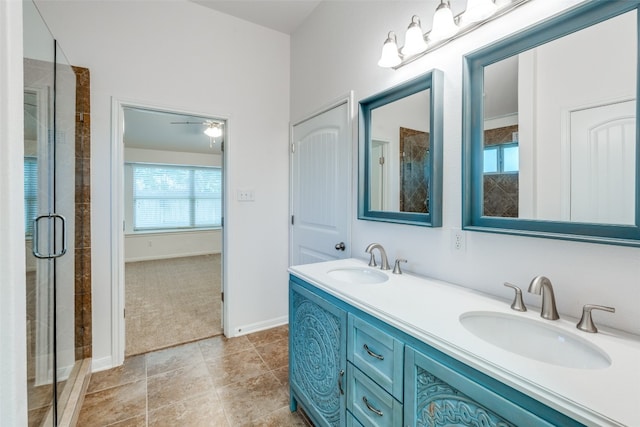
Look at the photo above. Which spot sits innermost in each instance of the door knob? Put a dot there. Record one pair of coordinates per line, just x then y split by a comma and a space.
340, 246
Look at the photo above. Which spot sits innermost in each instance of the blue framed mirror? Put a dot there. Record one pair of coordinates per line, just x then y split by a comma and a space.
400, 153
550, 129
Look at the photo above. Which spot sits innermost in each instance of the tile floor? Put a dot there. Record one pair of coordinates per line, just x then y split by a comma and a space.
213, 382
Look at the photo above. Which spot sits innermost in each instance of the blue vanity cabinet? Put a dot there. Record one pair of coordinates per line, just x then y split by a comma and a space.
349, 368
317, 355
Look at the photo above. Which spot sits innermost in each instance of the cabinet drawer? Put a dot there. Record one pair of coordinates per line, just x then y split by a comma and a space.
369, 403
377, 354
352, 421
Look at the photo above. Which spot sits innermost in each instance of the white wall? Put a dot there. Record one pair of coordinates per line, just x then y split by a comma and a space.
13, 357
143, 246
182, 56
326, 63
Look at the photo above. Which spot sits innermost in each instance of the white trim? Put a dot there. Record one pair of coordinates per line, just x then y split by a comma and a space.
102, 364
351, 124
182, 255
13, 358
117, 221
260, 326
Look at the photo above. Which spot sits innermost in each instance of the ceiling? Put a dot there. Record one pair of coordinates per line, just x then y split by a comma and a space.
153, 130
280, 15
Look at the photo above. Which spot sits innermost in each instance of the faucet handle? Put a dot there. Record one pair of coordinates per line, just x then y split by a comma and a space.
396, 268
586, 321
518, 303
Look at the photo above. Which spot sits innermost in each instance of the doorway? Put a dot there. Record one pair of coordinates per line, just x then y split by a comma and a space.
172, 235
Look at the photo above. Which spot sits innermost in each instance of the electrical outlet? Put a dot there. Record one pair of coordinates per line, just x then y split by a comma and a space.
246, 195
458, 241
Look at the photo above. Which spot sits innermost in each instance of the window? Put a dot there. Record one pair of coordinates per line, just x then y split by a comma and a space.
30, 193
169, 197
501, 158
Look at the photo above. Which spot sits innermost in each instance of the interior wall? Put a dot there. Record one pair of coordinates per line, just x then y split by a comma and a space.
325, 64
13, 357
182, 56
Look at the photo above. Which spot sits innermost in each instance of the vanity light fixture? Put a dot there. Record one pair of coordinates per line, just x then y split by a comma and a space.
445, 27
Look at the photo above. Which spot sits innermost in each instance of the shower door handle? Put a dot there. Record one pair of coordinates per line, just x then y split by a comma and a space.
36, 250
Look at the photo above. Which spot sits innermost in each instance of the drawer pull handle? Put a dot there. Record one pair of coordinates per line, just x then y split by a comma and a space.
371, 408
340, 375
372, 354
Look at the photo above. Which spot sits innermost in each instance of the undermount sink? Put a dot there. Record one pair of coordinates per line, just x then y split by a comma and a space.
360, 275
535, 339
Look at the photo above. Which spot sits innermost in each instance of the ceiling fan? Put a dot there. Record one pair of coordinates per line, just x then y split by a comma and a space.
213, 129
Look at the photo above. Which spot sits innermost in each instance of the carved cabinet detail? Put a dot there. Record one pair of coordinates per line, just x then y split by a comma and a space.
317, 336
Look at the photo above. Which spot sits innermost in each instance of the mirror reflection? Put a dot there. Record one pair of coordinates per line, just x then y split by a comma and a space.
401, 153
559, 135
399, 163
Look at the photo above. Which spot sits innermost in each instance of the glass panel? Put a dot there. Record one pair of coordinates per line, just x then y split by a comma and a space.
38, 127
169, 197
64, 204
49, 182
510, 158
490, 160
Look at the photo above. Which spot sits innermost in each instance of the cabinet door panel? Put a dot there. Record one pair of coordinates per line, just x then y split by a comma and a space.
436, 395
317, 356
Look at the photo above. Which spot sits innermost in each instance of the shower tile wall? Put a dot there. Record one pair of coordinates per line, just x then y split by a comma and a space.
83, 336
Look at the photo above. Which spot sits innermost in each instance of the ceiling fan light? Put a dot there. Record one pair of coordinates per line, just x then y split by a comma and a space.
213, 130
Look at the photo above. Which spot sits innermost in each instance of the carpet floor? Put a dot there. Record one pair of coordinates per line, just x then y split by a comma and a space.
171, 302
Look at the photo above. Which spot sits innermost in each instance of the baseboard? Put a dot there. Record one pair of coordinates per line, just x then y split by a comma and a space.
102, 364
169, 256
259, 326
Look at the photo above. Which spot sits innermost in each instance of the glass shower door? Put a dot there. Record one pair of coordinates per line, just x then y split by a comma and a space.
49, 182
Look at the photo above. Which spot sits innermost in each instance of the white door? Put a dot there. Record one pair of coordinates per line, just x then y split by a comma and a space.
320, 187
603, 172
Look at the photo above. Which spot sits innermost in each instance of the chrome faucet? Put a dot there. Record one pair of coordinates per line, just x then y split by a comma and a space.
542, 285
384, 263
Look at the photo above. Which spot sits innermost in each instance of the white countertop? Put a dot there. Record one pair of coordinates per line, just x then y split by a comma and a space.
429, 310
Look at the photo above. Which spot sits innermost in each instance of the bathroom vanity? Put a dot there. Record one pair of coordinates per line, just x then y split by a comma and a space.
371, 348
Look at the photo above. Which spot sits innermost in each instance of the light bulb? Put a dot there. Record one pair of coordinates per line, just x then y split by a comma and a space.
444, 25
390, 56
414, 39
478, 10
213, 131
